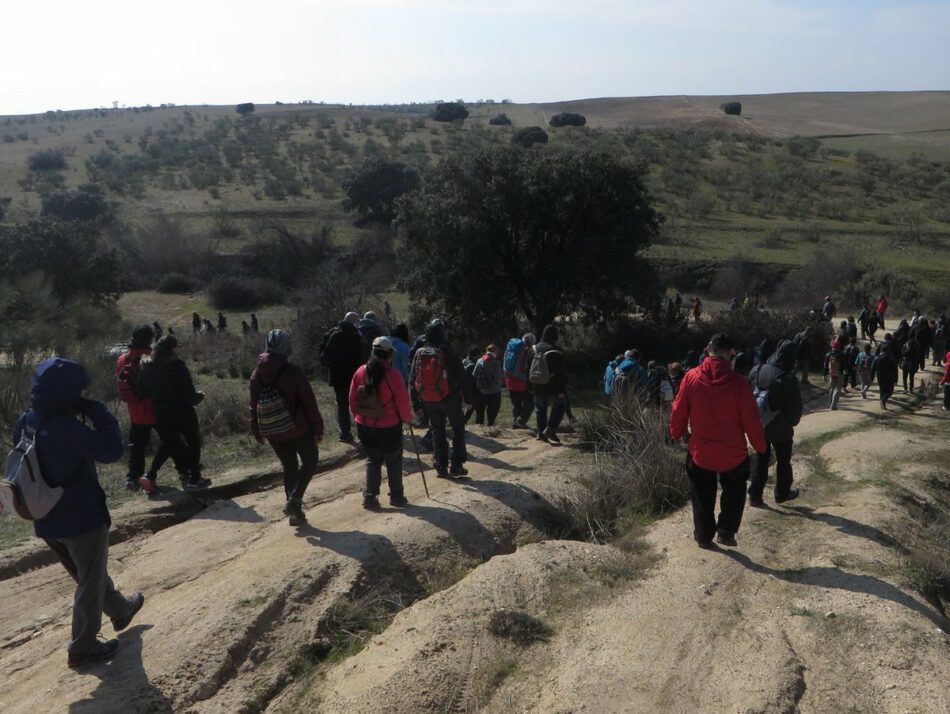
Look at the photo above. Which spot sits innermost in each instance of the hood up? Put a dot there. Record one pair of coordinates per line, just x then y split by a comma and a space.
785, 356
57, 386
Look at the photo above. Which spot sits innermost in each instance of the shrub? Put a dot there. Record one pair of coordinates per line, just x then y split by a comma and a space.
47, 160
178, 284
732, 108
636, 471
237, 292
519, 627
450, 111
567, 119
245, 108
529, 136
85, 204
500, 120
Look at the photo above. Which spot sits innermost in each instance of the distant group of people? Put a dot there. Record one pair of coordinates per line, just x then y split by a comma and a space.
203, 326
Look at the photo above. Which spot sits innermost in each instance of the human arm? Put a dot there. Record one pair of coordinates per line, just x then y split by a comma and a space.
679, 414
751, 422
103, 442
792, 405
308, 400
401, 398
355, 383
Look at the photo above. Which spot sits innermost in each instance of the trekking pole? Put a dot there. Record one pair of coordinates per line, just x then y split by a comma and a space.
415, 447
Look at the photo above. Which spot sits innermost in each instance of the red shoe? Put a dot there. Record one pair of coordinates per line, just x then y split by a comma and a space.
147, 485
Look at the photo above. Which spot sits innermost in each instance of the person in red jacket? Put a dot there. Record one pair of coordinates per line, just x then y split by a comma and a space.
295, 428
141, 414
945, 383
717, 406
379, 402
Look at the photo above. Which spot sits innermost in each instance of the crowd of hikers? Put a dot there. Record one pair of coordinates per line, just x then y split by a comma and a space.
719, 400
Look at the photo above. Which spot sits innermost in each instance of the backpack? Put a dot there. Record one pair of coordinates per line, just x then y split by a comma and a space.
484, 373
515, 354
834, 364
326, 351
540, 372
431, 378
273, 414
23, 490
863, 362
368, 404
763, 403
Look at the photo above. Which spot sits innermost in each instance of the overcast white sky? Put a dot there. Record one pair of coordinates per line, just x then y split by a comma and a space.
68, 54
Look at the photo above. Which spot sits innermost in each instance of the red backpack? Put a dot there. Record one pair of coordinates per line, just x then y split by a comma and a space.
431, 378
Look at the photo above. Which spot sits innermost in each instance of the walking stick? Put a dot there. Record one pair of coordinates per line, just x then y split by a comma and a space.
415, 447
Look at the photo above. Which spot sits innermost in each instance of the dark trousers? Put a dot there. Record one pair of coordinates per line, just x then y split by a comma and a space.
382, 446
478, 408
298, 457
139, 437
541, 402
522, 404
946, 396
182, 435
909, 373
442, 413
490, 403
342, 393
85, 558
886, 391
731, 502
783, 470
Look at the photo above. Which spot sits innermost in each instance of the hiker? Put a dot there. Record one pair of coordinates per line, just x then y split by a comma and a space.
610, 374
803, 339
692, 359
206, 327
678, 299
834, 372
488, 375
945, 382
880, 309
779, 400
742, 362
864, 319
546, 372
400, 342
915, 318
284, 412
852, 327
380, 403
828, 310
369, 328
763, 351
468, 368
141, 414
923, 336
254, 326
733, 304
196, 323
341, 352
697, 309
171, 330
157, 330
659, 388
862, 364
940, 344
884, 369
630, 375
166, 380
245, 329
910, 361
444, 391
676, 372
517, 357
717, 407
222, 322
848, 367
77, 527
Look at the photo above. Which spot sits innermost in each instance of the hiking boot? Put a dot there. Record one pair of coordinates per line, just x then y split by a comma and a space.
148, 485
704, 543
131, 485
346, 438
100, 652
295, 514
542, 436
136, 602
792, 495
756, 502
458, 471
726, 539
551, 436
197, 483
398, 501
442, 473
370, 503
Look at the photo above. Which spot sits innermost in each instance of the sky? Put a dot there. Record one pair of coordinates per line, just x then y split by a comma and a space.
72, 54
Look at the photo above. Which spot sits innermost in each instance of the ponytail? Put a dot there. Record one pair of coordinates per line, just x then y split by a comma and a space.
376, 370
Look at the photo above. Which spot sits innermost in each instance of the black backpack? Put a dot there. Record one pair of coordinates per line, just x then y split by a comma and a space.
327, 346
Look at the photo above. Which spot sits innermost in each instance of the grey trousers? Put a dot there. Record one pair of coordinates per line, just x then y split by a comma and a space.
85, 558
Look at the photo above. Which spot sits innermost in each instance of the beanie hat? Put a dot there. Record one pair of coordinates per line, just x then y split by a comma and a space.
142, 337
278, 343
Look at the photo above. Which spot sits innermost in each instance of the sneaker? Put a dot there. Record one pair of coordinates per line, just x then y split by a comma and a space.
756, 502
197, 483
131, 485
346, 438
704, 543
148, 485
792, 495
442, 473
522, 423
551, 436
542, 436
398, 501
100, 652
725, 539
458, 471
370, 503
296, 516
136, 602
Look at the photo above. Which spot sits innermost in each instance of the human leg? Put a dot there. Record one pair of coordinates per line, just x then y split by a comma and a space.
703, 497
342, 394
541, 411
457, 422
478, 403
393, 460
783, 469
374, 462
492, 406
732, 499
192, 434
287, 455
760, 472
440, 446
557, 413
138, 442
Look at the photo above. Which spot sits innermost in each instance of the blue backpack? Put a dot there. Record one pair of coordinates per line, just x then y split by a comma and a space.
515, 360
609, 375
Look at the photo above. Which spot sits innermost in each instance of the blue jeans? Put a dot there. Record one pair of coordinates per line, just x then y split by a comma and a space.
541, 402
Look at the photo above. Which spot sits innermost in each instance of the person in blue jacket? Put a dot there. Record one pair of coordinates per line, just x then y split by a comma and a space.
400, 340
610, 374
72, 434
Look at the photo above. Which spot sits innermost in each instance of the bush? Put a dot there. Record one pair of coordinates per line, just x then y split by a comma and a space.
178, 284
519, 627
245, 108
567, 119
238, 292
47, 160
87, 203
529, 136
450, 111
500, 120
732, 108
636, 472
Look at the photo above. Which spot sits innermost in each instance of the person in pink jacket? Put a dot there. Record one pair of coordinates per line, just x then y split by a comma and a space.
379, 402
945, 383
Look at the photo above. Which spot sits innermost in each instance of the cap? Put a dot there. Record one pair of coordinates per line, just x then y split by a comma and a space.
383, 344
721, 341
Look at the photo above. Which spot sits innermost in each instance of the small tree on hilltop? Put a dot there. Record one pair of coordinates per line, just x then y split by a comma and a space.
732, 108
567, 119
245, 108
501, 230
529, 136
450, 111
373, 188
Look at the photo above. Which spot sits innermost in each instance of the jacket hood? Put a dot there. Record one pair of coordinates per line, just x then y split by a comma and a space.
268, 364
57, 386
785, 356
550, 334
716, 371
435, 334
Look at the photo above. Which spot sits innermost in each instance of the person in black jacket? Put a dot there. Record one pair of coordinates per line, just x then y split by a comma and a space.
165, 380
448, 409
343, 351
777, 375
552, 393
884, 369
